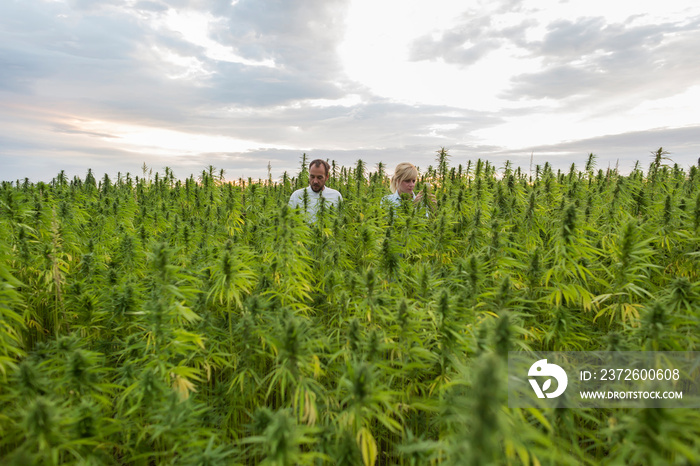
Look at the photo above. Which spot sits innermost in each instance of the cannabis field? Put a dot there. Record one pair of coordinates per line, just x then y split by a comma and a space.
200, 321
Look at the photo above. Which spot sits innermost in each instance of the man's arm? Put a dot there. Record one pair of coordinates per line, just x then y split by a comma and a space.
294, 199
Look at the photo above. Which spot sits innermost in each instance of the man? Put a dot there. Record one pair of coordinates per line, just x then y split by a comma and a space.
317, 189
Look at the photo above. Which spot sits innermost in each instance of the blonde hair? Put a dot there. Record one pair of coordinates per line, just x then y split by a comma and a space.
403, 171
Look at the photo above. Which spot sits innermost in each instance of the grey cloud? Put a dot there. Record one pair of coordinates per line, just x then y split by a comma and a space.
18, 71
102, 38
589, 59
374, 128
566, 40
624, 149
48, 44
92, 53
236, 83
373, 124
94, 5
150, 6
97, 62
71, 129
429, 49
92, 64
584, 60
680, 141
299, 36
215, 7
472, 39
43, 161
301, 39
22, 62
464, 44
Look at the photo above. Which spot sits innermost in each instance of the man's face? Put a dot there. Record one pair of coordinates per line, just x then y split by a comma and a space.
317, 178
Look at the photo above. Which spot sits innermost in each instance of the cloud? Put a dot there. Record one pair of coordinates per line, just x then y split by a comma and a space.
591, 59
268, 73
584, 60
464, 44
623, 149
71, 129
150, 6
88, 53
299, 37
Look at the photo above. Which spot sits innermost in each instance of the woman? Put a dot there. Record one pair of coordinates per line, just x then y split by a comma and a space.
402, 184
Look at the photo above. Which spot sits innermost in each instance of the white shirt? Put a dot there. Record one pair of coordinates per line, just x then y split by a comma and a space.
331, 196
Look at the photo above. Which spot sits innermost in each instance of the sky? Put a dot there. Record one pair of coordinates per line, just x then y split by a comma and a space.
243, 85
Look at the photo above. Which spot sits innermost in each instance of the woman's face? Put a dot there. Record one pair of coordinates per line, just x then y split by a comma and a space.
406, 186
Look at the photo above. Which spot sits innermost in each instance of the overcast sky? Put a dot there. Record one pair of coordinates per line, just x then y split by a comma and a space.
113, 84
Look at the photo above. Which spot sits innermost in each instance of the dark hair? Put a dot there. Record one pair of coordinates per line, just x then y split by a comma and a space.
319, 162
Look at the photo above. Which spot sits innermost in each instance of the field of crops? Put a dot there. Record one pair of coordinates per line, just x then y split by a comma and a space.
152, 320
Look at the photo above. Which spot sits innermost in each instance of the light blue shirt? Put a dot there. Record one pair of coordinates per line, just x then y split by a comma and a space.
395, 198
